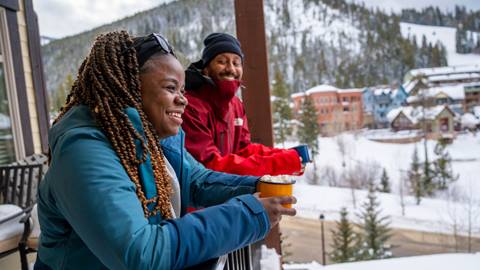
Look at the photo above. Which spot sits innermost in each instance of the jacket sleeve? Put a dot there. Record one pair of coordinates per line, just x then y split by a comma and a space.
282, 162
97, 198
253, 159
208, 187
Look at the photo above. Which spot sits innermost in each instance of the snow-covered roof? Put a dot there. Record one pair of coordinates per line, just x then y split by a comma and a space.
322, 88
391, 115
353, 90
455, 92
382, 91
415, 114
453, 77
325, 88
445, 70
297, 95
408, 86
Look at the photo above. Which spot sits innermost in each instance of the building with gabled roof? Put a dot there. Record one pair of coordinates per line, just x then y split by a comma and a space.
437, 121
378, 101
337, 109
446, 75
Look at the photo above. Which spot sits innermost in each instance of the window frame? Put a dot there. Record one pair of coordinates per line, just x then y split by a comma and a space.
10, 85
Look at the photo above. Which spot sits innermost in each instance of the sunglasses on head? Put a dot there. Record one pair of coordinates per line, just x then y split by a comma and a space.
144, 48
162, 42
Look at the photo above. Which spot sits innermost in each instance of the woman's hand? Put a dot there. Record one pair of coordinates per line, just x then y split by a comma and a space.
275, 210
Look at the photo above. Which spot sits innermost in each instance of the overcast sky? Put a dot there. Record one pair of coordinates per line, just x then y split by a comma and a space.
60, 18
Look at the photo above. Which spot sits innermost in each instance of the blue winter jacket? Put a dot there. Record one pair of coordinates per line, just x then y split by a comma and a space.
91, 217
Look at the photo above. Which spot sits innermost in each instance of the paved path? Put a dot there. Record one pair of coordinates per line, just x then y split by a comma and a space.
304, 239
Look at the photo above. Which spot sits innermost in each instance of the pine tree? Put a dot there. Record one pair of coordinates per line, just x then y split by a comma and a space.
58, 98
375, 229
385, 182
460, 39
345, 242
415, 177
309, 131
282, 113
443, 173
427, 177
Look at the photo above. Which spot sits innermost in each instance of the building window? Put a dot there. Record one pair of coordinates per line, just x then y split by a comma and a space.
11, 141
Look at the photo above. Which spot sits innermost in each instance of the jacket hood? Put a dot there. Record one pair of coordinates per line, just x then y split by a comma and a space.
80, 116
194, 79
77, 117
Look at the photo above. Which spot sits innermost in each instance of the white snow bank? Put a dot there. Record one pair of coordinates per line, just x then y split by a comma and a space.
429, 262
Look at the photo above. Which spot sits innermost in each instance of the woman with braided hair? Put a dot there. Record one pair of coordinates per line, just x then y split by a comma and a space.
120, 180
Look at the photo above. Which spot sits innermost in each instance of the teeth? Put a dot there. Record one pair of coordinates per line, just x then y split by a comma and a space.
175, 114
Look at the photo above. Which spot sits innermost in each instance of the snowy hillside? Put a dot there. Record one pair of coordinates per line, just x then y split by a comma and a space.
446, 35
396, 158
433, 214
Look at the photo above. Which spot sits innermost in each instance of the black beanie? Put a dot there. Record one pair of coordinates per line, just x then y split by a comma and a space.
217, 43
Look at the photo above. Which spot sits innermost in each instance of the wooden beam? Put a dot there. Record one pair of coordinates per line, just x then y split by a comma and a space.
256, 97
41, 96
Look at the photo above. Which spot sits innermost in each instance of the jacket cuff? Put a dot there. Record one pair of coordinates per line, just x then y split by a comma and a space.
257, 209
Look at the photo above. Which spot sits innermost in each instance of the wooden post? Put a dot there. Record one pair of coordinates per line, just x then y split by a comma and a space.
256, 97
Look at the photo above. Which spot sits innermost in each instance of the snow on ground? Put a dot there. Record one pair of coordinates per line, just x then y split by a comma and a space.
396, 158
439, 33
429, 262
433, 214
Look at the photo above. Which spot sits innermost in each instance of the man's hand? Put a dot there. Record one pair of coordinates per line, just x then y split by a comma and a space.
274, 208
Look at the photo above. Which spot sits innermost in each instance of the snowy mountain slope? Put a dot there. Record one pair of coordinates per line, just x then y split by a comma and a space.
446, 35
309, 41
313, 22
397, 6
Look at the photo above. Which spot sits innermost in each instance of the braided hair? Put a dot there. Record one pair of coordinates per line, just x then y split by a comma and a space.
108, 82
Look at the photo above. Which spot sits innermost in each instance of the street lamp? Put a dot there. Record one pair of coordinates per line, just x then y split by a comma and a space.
322, 218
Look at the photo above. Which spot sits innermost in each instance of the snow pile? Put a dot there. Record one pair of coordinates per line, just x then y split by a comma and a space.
382, 134
270, 259
469, 121
429, 262
476, 111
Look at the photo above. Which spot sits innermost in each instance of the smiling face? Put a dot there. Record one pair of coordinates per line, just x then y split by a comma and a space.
225, 66
162, 86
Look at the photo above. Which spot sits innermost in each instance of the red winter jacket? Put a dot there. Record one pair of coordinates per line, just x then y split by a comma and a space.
217, 136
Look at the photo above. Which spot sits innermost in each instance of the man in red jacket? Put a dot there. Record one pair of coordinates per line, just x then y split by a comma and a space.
215, 123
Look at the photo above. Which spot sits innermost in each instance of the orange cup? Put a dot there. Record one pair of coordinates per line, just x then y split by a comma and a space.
270, 189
